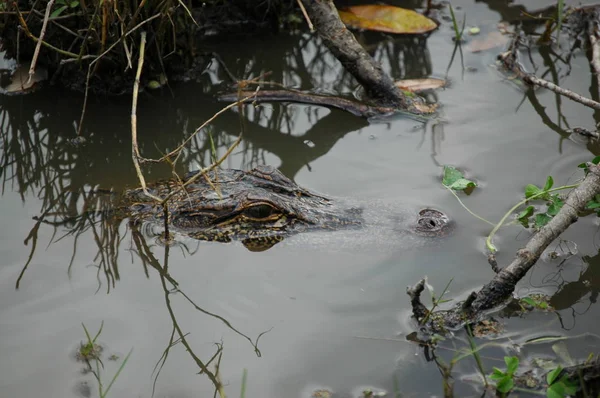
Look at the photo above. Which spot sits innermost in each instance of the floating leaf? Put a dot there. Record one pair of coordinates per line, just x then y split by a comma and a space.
492, 40
455, 180
416, 85
386, 19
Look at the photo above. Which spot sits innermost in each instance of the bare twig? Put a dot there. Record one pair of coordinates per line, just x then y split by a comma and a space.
511, 63
135, 152
180, 147
306, 17
593, 36
36, 53
89, 72
38, 40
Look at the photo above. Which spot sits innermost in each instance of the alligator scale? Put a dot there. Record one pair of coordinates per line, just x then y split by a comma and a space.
259, 207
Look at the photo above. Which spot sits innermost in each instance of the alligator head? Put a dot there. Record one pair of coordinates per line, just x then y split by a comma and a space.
259, 207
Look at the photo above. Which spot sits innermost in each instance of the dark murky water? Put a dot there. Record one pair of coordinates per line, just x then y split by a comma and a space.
318, 295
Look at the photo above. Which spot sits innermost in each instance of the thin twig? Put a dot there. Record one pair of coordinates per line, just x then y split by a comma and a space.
308, 21
180, 147
38, 40
511, 63
135, 153
89, 72
593, 36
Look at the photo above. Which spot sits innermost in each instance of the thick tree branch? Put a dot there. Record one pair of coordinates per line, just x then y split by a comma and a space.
355, 59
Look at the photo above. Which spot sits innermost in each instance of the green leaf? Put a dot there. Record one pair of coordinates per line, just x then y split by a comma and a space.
529, 301
549, 183
596, 160
512, 363
552, 375
570, 386
531, 190
74, 4
541, 220
555, 207
528, 212
593, 204
498, 374
58, 11
462, 184
454, 179
552, 393
451, 175
505, 385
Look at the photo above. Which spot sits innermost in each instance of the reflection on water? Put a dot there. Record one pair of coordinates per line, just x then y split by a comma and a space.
316, 295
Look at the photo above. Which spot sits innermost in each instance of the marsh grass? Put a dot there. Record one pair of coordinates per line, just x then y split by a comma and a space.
90, 352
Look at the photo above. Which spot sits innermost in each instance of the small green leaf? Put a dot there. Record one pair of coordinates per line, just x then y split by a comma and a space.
74, 4
570, 386
505, 385
552, 375
451, 175
529, 301
555, 207
462, 184
498, 374
541, 220
554, 392
528, 212
549, 183
512, 363
58, 11
531, 190
596, 160
455, 180
593, 204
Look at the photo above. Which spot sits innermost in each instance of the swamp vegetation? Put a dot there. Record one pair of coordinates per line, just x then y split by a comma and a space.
316, 315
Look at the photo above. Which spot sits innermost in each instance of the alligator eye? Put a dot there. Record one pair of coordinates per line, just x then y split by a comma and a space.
259, 211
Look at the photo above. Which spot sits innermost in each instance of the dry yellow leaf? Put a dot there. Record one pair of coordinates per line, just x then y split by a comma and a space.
386, 19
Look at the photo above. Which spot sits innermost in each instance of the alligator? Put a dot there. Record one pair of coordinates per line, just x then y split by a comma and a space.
259, 207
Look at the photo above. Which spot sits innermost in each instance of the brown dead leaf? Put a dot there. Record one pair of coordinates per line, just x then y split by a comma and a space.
416, 85
492, 40
386, 19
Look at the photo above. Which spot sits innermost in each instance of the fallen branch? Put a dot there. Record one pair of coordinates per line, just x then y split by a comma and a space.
501, 287
511, 63
354, 107
356, 60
